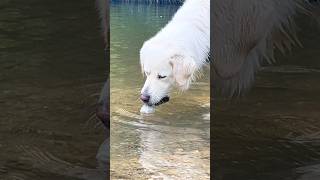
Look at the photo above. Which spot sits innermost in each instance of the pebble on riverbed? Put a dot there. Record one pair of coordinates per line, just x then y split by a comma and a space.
147, 109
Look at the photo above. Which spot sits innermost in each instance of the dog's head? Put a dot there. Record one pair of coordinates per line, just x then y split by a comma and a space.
164, 67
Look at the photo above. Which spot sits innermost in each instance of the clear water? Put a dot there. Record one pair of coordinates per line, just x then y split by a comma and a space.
172, 143
51, 67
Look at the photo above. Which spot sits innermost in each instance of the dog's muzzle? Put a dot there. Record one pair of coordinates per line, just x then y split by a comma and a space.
163, 100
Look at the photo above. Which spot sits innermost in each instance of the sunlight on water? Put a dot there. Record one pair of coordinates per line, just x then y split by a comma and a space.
173, 143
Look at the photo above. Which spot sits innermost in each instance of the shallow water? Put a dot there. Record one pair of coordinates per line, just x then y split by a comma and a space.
51, 67
273, 132
172, 143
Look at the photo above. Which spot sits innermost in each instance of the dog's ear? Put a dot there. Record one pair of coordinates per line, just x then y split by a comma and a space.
184, 68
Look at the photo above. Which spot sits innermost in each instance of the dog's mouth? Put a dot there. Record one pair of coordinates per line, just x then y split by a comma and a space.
162, 101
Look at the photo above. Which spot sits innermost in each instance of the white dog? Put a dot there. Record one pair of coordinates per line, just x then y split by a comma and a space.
176, 53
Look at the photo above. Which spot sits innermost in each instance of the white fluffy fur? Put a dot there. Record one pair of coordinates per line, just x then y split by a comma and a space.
177, 51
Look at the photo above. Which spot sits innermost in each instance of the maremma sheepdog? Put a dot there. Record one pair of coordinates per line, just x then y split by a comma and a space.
174, 55
245, 33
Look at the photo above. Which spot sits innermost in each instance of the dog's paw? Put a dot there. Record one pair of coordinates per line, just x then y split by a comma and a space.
147, 109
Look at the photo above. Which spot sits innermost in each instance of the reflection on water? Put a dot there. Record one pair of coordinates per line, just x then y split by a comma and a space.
51, 66
173, 143
273, 132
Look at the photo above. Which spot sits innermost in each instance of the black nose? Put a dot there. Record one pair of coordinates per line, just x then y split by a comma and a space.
145, 98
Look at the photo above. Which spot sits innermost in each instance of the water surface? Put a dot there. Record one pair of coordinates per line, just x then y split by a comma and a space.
51, 67
273, 132
173, 143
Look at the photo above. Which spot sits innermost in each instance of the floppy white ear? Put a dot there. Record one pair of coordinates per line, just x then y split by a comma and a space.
184, 68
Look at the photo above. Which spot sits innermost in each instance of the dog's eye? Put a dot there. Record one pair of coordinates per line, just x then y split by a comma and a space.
161, 77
